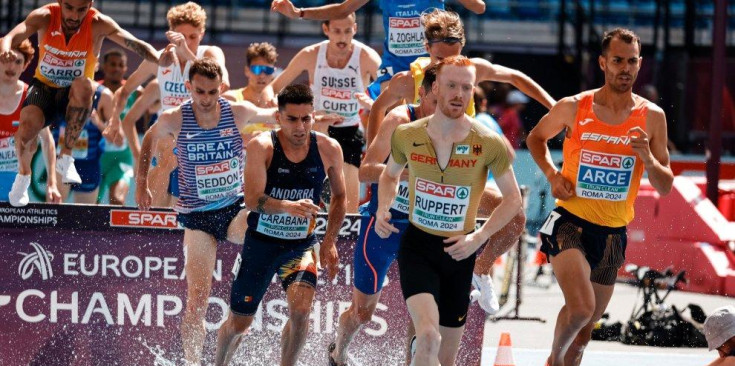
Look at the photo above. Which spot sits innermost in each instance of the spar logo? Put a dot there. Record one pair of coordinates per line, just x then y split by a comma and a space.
217, 168
607, 161
143, 219
38, 260
405, 22
441, 190
336, 94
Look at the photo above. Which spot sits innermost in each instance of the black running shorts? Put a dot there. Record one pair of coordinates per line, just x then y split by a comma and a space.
352, 140
52, 101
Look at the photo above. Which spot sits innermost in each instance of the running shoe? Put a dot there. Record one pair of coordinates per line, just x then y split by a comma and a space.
18, 195
488, 299
65, 167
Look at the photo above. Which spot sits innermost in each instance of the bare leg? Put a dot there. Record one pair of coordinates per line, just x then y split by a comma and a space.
500, 242
201, 254
425, 317
77, 111
159, 176
300, 297
88, 198
576, 350
352, 185
26, 142
237, 228
229, 336
360, 312
573, 273
451, 338
118, 192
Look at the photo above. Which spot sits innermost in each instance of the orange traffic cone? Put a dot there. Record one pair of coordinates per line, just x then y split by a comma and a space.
505, 351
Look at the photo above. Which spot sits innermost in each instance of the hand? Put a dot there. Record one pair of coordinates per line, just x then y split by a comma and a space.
168, 56
176, 38
52, 194
286, 8
113, 132
365, 101
464, 245
383, 227
329, 258
329, 119
304, 208
7, 56
96, 120
641, 144
143, 197
561, 187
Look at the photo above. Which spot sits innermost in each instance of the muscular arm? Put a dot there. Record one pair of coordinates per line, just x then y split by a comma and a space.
301, 62
145, 71
374, 162
656, 161
331, 153
475, 6
508, 208
150, 95
113, 32
369, 63
325, 12
218, 55
36, 20
559, 117
169, 124
246, 113
388, 185
104, 108
399, 88
493, 72
260, 151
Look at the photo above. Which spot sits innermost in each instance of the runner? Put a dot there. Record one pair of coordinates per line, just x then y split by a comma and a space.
260, 70
437, 251
612, 136
338, 68
291, 204
116, 161
70, 34
211, 190
87, 150
404, 32
13, 93
444, 37
186, 29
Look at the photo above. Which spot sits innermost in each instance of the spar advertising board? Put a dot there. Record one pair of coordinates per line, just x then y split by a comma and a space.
96, 285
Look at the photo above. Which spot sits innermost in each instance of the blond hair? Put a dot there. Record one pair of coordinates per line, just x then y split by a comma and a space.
441, 24
190, 13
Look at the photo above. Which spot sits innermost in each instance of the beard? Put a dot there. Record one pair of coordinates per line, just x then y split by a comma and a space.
451, 111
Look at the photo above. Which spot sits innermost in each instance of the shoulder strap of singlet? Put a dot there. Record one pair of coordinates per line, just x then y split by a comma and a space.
97, 95
411, 112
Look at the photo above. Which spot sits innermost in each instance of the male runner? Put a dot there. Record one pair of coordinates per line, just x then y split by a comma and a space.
280, 234
87, 151
612, 136
206, 132
186, 29
260, 70
117, 160
338, 68
70, 34
449, 155
404, 32
13, 93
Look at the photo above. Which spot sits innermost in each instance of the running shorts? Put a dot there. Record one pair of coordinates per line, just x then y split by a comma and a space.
352, 140
374, 255
213, 222
52, 101
89, 171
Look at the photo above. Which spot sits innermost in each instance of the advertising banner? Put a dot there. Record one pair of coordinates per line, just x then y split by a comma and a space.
90, 285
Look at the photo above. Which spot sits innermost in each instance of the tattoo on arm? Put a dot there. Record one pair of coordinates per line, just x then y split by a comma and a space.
139, 48
261, 202
76, 117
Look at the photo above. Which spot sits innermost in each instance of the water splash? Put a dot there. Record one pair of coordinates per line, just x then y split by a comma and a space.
158, 352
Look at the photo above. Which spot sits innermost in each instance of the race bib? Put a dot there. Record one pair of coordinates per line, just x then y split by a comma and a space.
218, 180
8, 159
339, 102
604, 176
441, 207
401, 202
406, 36
61, 71
284, 226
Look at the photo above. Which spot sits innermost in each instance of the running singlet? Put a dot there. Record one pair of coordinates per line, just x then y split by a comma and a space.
172, 82
417, 71
399, 208
404, 33
604, 169
8, 126
88, 146
282, 184
250, 127
210, 162
60, 63
444, 202
334, 89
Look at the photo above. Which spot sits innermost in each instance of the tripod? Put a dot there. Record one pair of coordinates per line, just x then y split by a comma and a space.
518, 263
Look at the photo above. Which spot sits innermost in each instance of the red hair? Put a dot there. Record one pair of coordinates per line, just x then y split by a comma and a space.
459, 61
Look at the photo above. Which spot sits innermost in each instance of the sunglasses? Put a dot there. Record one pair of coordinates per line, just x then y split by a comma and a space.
447, 40
259, 69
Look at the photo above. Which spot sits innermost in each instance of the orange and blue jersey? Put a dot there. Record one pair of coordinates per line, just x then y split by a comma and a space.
602, 166
59, 61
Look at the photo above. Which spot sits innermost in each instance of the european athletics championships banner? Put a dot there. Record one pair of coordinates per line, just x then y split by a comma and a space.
97, 285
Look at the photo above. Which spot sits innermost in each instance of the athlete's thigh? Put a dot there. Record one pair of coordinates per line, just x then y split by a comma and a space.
89, 198
451, 339
32, 121
200, 251
573, 272
423, 310
603, 294
238, 226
